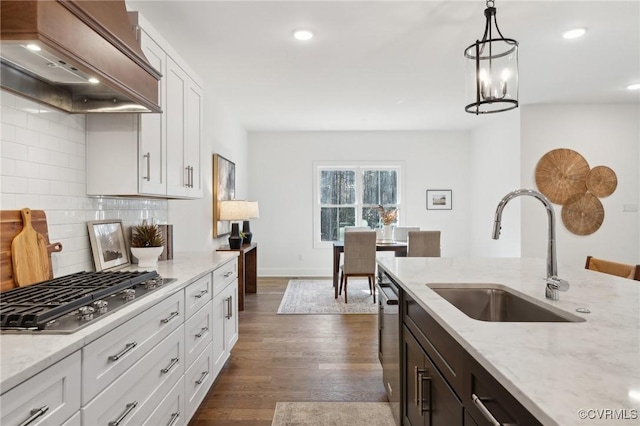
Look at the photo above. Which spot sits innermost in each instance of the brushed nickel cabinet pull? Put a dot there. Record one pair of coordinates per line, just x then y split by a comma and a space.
122, 353
174, 418
415, 385
423, 379
168, 368
228, 274
170, 317
484, 410
229, 308
34, 414
148, 157
202, 332
191, 177
129, 408
201, 379
202, 293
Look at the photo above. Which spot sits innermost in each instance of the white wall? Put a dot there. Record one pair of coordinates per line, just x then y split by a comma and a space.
495, 171
281, 179
42, 167
605, 135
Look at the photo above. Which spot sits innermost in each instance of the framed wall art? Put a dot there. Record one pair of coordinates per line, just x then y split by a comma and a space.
439, 199
108, 244
224, 188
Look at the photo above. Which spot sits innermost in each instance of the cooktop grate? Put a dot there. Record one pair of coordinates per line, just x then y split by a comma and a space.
36, 305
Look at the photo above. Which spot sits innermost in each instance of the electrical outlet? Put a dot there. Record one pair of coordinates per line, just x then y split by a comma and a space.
629, 207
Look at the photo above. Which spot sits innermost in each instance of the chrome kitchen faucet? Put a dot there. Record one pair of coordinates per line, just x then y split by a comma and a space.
554, 284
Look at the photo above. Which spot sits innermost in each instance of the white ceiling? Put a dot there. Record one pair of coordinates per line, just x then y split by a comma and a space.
392, 65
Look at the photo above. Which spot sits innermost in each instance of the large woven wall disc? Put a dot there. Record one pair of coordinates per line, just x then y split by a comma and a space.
561, 174
583, 214
602, 181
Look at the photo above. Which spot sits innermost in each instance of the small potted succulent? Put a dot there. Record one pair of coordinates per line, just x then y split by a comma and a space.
147, 244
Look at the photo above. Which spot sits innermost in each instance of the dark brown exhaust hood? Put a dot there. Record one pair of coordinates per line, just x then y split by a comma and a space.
77, 56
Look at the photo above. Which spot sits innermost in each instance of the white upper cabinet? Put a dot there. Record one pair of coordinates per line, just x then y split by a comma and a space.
184, 121
151, 154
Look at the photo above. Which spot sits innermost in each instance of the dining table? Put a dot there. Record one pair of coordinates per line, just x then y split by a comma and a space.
398, 247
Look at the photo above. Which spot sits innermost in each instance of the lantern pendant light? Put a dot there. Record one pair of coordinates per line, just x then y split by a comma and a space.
492, 69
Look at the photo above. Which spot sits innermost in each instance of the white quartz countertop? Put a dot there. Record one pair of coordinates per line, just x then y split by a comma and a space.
24, 355
555, 370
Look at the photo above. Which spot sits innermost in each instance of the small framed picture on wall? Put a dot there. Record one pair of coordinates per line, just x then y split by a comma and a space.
439, 199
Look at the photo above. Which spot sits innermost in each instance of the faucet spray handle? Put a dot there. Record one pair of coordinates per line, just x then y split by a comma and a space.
554, 286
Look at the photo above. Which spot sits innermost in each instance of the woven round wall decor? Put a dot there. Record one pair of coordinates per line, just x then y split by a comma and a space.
561, 175
602, 181
583, 214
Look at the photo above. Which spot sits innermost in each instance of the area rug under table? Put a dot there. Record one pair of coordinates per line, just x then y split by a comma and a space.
317, 297
333, 414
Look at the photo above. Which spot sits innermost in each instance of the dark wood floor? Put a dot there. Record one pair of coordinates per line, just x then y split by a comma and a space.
292, 358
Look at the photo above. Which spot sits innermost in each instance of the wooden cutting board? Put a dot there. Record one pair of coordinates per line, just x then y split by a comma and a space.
29, 255
10, 226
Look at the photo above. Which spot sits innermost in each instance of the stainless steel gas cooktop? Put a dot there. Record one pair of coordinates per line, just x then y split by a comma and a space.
66, 304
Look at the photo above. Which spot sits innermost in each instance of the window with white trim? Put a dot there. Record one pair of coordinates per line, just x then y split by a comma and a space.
350, 195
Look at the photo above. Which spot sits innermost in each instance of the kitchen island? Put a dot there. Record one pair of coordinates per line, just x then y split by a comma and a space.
169, 329
566, 373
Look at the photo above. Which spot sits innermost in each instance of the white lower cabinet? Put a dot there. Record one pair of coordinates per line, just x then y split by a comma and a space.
197, 333
76, 420
51, 397
131, 398
197, 381
108, 357
170, 411
225, 324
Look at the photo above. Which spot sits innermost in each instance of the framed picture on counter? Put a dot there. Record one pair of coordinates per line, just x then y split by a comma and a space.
439, 199
108, 244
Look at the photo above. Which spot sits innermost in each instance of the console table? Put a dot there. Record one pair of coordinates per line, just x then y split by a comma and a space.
247, 270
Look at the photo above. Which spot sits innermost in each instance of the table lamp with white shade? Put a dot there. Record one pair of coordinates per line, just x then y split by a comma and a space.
252, 213
233, 210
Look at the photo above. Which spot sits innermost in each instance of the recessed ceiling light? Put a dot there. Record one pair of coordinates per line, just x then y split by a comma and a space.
33, 47
575, 33
634, 86
302, 35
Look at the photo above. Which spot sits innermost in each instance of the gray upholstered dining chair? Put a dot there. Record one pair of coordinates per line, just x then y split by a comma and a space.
359, 259
423, 244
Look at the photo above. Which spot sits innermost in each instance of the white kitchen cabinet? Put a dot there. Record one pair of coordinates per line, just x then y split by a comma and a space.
49, 398
197, 294
108, 357
197, 333
170, 411
197, 381
134, 396
225, 324
155, 155
184, 121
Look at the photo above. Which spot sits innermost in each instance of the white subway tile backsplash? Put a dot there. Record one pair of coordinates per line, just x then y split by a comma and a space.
14, 150
43, 163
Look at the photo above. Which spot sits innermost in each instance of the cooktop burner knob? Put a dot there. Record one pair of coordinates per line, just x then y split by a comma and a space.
128, 294
100, 306
85, 313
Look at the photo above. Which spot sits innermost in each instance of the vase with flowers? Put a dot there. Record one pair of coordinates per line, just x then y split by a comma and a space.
147, 244
388, 217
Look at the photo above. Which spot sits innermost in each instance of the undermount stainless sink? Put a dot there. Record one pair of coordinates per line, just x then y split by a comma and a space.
495, 304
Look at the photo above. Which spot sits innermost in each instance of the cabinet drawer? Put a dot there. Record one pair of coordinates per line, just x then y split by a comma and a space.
170, 411
224, 275
197, 294
444, 351
105, 359
134, 395
197, 381
49, 398
197, 333
491, 399
76, 420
